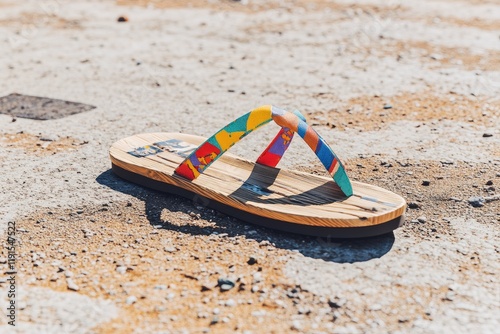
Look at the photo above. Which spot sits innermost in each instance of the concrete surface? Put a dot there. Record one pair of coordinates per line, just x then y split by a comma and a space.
193, 66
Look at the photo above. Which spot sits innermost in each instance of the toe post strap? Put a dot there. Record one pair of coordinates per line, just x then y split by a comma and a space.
225, 138
278, 146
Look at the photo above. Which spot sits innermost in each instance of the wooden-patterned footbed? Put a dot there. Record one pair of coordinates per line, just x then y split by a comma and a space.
282, 199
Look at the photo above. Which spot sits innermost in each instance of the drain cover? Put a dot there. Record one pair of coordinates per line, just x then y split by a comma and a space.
40, 108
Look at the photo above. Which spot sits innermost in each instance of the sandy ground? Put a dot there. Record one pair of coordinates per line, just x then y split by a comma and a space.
99, 255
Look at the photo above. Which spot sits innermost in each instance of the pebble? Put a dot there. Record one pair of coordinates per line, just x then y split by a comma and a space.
206, 287
130, 300
387, 106
296, 325
202, 315
252, 260
122, 19
264, 243
422, 219
413, 205
49, 138
449, 296
492, 198
72, 285
476, 201
336, 302
225, 284
487, 135
121, 269
170, 249
489, 183
230, 302
426, 182
257, 278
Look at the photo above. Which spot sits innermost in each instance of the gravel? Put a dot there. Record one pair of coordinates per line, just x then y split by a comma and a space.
94, 249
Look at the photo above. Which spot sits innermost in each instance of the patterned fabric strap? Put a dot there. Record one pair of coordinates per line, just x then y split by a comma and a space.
225, 138
277, 148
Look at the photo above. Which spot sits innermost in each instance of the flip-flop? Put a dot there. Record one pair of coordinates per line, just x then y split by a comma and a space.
259, 192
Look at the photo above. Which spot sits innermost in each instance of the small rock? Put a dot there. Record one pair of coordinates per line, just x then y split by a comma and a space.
413, 205
195, 215
414, 221
492, 198
49, 138
230, 302
487, 135
304, 310
130, 300
252, 260
387, 106
296, 325
476, 201
202, 315
489, 183
449, 296
121, 269
122, 19
68, 273
225, 284
214, 320
206, 287
170, 249
72, 285
257, 278
426, 182
336, 302
422, 219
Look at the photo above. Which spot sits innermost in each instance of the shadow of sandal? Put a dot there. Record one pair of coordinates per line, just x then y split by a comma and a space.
325, 248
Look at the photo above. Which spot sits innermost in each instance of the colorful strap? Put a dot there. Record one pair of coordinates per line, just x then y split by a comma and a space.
277, 148
225, 138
